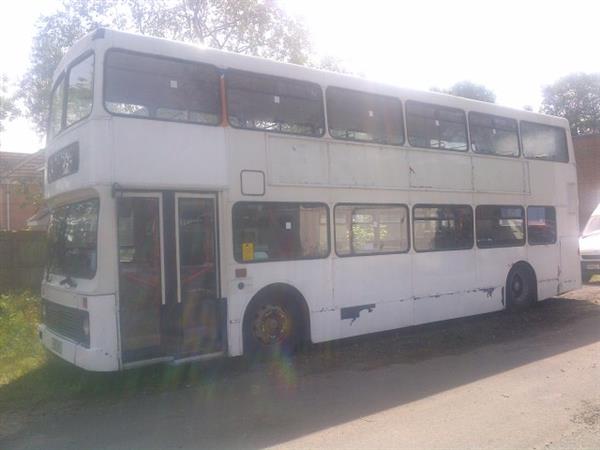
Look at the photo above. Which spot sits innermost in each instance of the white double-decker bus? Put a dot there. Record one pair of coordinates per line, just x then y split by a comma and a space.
206, 203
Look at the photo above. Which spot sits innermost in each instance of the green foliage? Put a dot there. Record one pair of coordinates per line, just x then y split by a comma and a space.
7, 104
20, 350
468, 89
575, 97
253, 27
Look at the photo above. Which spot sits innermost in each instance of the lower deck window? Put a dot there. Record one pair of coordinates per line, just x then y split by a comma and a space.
500, 226
370, 229
541, 225
269, 231
442, 227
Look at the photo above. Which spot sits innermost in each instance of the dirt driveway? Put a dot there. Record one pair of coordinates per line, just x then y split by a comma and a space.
497, 381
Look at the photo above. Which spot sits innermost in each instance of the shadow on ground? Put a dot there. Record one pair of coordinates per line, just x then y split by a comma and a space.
239, 402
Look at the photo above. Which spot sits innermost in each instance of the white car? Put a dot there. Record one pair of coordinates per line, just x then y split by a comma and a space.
589, 247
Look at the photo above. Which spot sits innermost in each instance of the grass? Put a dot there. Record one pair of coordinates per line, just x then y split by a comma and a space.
31, 377
20, 351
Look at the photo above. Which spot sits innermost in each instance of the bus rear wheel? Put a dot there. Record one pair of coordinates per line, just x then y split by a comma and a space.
271, 327
520, 288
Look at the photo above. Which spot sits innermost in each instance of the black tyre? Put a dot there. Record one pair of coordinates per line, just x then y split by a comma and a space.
272, 325
520, 288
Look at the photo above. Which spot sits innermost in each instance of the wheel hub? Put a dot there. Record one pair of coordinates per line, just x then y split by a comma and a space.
517, 286
272, 324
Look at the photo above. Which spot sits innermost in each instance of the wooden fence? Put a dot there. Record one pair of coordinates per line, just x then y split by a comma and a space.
22, 259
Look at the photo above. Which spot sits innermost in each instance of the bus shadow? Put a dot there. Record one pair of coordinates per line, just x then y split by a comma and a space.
242, 403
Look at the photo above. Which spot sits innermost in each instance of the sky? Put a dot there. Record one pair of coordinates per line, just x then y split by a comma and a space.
512, 47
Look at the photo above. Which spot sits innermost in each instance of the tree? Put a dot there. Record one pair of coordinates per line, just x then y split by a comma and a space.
253, 27
7, 105
576, 97
468, 89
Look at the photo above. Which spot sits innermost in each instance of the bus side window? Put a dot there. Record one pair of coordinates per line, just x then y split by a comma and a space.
541, 225
442, 227
270, 231
432, 126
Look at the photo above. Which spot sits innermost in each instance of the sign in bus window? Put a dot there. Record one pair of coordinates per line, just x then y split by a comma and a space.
493, 135
442, 227
360, 116
370, 229
161, 88
500, 226
432, 126
541, 225
268, 231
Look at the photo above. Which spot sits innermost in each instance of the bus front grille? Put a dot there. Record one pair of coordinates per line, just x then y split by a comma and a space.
71, 323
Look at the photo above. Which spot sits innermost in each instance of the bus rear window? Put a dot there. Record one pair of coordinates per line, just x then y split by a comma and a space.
72, 239
160, 88
432, 126
493, 135
263, 102
268, 231
544, 142
360, 116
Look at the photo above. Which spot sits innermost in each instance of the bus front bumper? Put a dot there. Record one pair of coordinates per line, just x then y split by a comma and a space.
94, 359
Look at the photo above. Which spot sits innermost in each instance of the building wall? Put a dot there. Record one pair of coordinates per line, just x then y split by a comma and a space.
587, 155
21, 208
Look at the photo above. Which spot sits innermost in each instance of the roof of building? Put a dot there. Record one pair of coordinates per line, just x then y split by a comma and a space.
14, 165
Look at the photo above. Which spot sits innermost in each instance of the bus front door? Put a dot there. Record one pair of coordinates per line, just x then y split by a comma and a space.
169, 305
201, 314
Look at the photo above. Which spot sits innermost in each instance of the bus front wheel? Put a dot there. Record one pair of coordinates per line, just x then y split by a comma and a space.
520, 287
272, 325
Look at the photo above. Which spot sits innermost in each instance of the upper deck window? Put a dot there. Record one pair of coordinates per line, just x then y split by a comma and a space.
161, 88
57, 108
263, 102
432, 126
80, 90
494, 135
544, 142
359, 116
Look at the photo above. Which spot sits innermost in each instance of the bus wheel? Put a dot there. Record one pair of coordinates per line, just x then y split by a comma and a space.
271, 327
520, 288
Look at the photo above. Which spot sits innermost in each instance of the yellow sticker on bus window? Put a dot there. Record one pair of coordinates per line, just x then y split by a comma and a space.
247, 251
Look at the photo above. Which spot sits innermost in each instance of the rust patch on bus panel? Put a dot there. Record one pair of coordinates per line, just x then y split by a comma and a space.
488, 291
353, 312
